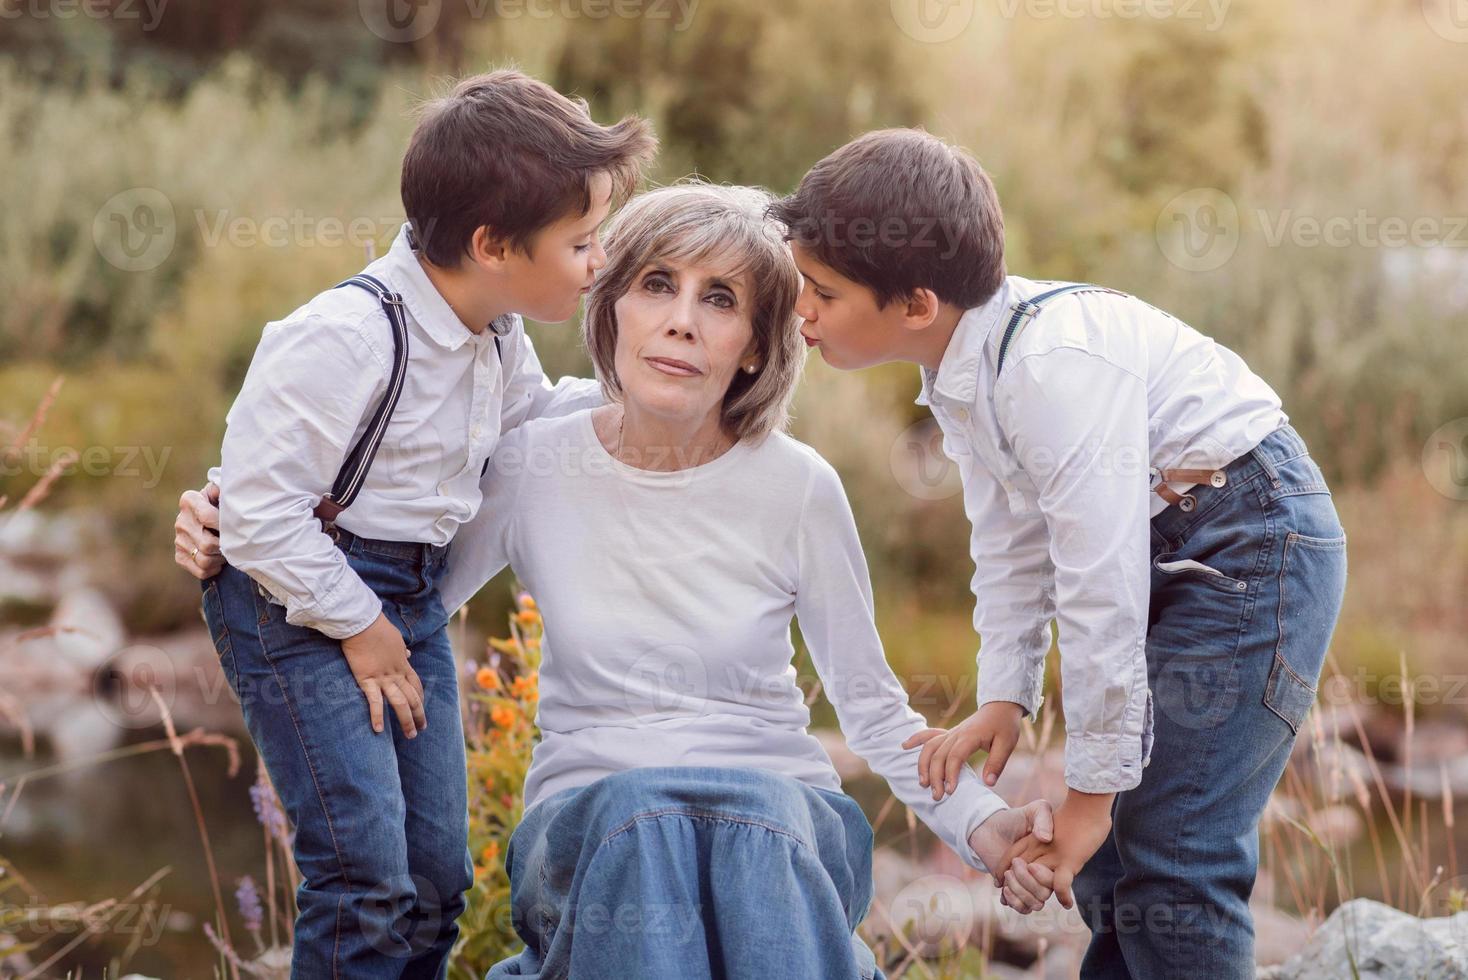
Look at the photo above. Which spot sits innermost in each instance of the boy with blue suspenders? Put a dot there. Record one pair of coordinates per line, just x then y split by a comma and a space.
1128, 478
352, 454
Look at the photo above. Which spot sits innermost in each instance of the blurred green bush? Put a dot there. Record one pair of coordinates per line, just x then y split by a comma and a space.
1090, 128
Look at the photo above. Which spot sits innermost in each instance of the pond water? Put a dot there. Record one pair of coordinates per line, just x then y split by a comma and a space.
99, 832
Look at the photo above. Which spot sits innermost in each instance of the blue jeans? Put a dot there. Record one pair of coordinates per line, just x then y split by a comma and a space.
1245, 593
381, 821
689, 873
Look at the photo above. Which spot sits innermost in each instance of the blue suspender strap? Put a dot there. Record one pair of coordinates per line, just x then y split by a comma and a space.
1026, 309
354, 470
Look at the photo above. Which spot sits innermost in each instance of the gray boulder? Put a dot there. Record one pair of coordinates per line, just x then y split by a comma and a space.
1382, 943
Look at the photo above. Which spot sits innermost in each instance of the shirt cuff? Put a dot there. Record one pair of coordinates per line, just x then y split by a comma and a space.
980, 803
1109, 763
1018, 683
347, 609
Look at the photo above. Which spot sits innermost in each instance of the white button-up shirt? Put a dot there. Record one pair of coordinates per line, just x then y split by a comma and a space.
668, 599
316, 377
1056, 457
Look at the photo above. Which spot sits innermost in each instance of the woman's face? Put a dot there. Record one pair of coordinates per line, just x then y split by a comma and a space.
683, 330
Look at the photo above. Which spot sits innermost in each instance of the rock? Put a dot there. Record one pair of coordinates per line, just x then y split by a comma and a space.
1367, 939
89, 629
35, 535
186, 667
939, 911
1028, 777
1277, 934
19, 583
273, 964
1426, 779
1338, 826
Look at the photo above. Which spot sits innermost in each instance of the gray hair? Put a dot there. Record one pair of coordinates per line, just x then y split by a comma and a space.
697, 221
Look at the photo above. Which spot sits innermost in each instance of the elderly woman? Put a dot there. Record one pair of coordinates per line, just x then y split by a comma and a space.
680, 820
669, 537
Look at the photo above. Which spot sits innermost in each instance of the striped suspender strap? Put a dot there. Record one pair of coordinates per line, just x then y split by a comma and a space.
1026, 309
354, 470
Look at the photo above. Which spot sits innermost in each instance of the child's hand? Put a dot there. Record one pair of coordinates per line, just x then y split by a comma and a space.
1081, 825
993, 728
1027, 887
196, 533
379, 662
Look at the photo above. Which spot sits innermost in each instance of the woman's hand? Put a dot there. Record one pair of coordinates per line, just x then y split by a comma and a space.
1082, 823
379, 661
196, 533
996, 836
1025, 887
994, 728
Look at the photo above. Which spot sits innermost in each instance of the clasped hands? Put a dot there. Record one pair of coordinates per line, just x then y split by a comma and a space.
1030, 852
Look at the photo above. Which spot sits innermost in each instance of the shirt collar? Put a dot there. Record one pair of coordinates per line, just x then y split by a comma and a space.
424, 301
957, 376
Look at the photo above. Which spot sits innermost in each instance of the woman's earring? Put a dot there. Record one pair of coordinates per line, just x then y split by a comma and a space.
751, 368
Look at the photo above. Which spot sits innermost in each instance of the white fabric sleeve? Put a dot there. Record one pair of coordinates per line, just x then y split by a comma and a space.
1014, 593
310, 386
485, 545
529, 394
834, 604
1079, 422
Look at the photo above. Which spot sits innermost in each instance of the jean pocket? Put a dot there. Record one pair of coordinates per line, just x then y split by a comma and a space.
1312, 581
1206, 574
1288, 695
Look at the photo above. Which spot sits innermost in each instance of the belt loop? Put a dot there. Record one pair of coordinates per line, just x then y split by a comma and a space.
1268, 464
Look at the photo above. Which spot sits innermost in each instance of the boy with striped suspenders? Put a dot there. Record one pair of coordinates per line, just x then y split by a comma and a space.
351, 455
1128, 478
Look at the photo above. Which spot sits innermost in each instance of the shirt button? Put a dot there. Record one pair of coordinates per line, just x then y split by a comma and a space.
963, 415
476, 432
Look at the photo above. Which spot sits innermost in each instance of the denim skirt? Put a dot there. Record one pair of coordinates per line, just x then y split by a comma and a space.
691, 872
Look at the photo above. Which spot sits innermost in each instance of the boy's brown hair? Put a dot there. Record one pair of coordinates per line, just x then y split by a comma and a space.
897, 210
507, 151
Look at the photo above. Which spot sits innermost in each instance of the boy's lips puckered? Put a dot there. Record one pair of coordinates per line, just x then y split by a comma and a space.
809, 340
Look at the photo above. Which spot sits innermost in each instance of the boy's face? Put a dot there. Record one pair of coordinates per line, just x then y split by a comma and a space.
547, 285
842, 317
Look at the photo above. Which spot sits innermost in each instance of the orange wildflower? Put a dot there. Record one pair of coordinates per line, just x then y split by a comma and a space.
487, 679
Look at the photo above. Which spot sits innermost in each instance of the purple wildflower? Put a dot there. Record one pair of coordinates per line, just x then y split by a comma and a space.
267, 808
247, 896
